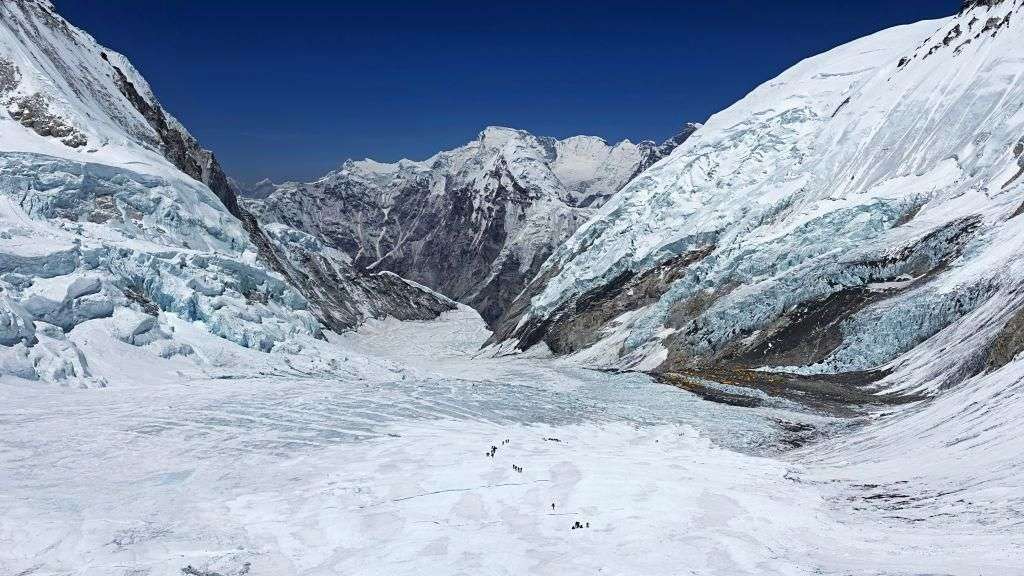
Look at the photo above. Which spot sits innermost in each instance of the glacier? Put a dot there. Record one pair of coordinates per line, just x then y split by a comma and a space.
866, 198
788, 342
368, 454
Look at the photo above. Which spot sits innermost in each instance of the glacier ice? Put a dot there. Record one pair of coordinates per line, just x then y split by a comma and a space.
162, 246
877, 177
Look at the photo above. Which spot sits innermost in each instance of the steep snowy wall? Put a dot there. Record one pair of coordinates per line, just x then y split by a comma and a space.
838, 216
72, 97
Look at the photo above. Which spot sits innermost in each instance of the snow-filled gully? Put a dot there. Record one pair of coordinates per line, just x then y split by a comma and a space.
373, 456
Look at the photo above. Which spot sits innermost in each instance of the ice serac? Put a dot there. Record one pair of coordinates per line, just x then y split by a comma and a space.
474, 223
112, 215
854, 214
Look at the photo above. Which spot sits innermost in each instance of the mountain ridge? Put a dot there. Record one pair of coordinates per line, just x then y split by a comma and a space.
474, 222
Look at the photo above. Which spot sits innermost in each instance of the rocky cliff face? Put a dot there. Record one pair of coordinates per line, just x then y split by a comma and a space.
177, 145
114, 221
474, 223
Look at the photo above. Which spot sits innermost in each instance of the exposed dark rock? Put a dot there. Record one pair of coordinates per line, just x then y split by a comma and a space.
240, 571
1018, 152
951, 36
88, 86
34, 112
448, 242
1008, 343
844, 103
653, 152
139, 297
811, 331
805, 334
180, 147
104, 210
10, 77
960, 48
796, 434
843, 395
966, 5
340, 296
578, 323
994, 24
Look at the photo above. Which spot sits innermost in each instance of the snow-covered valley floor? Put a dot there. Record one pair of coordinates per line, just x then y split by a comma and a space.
380, 467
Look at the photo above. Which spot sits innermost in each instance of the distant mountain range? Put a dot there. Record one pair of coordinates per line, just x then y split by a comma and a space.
474, 223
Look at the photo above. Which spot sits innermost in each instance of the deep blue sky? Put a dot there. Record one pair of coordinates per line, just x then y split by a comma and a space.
288, 90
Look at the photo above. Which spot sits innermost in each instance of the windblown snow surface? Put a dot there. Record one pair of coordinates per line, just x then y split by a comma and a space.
367, 455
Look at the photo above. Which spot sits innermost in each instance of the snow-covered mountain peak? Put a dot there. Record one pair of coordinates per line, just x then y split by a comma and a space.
474, 222
372, 167
585, 142
498, 137
64, 95
260, 189
57, 82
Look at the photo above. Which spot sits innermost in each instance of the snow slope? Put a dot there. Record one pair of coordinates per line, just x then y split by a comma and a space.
859, 212
366, 455
474, 223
